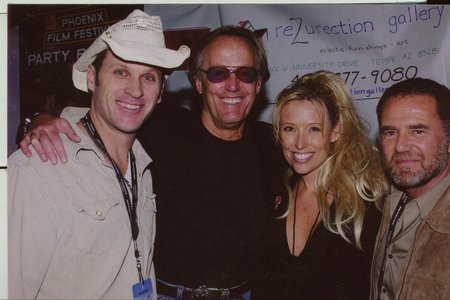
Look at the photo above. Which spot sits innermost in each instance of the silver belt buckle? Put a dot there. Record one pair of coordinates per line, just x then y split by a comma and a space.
200, 292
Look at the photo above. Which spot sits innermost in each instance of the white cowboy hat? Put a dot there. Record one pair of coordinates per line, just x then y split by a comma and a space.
139, 38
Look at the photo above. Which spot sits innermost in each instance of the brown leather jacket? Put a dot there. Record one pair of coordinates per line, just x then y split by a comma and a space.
427, 272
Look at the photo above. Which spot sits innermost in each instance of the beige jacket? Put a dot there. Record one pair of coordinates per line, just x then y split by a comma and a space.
69, 231
426, 274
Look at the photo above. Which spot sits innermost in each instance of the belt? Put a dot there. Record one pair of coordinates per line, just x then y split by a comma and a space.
201, 292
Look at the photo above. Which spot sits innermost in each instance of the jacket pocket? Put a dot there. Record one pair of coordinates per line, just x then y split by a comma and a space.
100, 224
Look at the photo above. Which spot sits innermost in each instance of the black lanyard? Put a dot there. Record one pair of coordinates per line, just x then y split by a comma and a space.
395, 217
131, 204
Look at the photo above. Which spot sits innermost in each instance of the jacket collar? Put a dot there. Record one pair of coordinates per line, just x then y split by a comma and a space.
439, 217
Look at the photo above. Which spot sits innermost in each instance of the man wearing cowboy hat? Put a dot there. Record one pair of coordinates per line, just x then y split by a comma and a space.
215, 171
85, 229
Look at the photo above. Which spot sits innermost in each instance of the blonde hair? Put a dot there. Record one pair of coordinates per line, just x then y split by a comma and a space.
352, 173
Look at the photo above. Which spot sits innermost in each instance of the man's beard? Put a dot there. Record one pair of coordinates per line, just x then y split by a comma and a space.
406, 178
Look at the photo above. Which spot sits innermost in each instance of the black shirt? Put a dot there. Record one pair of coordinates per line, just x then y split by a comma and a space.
213, 200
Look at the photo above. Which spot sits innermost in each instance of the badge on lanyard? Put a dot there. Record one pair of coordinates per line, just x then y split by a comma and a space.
143, 290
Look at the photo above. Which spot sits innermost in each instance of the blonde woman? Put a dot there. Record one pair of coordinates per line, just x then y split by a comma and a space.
320, 245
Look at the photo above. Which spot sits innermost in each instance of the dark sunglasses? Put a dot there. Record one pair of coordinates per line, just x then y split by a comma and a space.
219, 74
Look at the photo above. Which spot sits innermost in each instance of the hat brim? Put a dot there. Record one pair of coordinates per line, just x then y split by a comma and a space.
160, 57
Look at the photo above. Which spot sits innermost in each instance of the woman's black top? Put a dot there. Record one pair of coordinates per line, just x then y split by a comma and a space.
328, 267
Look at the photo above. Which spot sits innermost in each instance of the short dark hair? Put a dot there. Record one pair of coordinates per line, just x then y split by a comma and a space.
247, 35
421, 86
97, 63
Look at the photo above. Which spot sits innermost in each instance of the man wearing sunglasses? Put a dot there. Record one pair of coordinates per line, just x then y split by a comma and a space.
214, 172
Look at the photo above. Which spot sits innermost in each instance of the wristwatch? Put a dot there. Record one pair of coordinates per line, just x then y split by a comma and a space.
27, 122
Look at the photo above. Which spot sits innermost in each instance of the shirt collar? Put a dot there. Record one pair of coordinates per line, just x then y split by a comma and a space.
87, 144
